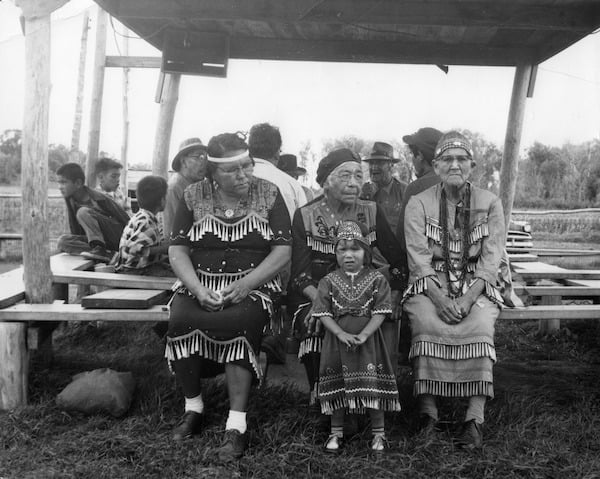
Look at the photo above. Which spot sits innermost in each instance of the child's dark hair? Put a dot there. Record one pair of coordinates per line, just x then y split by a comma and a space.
264, 141
72, 172
368, 258
104, 164
150, 191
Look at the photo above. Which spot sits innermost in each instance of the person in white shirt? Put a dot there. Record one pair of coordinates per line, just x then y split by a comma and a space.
264, 146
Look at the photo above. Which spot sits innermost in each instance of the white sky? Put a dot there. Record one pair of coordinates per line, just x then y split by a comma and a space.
308, 101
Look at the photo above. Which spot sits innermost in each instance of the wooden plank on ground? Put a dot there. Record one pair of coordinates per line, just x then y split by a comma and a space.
126, 298
536, 266
114, 280
564, 311
588, 283
74, 312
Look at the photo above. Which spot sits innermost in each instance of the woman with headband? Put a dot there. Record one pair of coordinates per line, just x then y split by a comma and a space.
455, 237
231, 236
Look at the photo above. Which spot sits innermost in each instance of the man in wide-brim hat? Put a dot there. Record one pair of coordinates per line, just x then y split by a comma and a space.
289, 164
189, 165
383, 188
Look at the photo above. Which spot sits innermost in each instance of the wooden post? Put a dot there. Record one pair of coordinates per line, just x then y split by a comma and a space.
164, 127
549, 326
125, 139
97, 93
14, 362
76, 133
512, 141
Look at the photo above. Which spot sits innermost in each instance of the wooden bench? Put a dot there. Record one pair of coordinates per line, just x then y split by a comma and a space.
112, 280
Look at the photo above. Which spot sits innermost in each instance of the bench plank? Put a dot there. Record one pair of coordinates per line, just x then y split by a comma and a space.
113, 280
550, 312
522, 258
74, 312
576, 290
564, 275
126, 298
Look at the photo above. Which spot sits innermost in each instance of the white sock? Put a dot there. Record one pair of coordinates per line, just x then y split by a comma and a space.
194, 404
236, 420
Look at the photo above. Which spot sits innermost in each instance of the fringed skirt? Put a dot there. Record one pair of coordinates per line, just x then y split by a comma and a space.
356, 379
452, 360
232, 335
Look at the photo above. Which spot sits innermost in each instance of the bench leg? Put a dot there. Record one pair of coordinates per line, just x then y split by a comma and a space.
549, 326
14, 365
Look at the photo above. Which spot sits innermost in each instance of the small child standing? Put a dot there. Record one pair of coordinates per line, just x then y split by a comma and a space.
142, 249
355, 374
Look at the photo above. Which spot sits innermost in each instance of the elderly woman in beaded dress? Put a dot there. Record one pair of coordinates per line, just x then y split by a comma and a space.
455, 237
355, 374
231, 236
314, 230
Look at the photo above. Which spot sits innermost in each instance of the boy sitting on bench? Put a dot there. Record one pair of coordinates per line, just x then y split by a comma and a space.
142, 249
108, 173
96, 222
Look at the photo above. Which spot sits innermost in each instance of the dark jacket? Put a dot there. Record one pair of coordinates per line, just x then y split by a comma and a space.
106, 205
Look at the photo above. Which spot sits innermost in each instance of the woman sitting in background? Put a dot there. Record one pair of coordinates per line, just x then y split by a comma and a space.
455, 237
230, 237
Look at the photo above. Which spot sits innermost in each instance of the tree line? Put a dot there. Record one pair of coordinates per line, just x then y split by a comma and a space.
549, 177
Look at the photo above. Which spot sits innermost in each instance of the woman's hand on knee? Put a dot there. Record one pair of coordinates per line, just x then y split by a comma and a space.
208, 299
449, 311
236, 292
350, 340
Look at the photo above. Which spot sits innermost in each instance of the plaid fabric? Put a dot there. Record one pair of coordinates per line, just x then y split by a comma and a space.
142, 232
118, 197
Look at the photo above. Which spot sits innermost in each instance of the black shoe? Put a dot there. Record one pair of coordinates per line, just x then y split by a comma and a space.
191, 423
427, 426
471, 435
233, 446
274, 348
98, 253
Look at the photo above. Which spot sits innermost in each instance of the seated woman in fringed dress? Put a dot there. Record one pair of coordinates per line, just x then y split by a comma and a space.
314, 229
455, 237
231, 236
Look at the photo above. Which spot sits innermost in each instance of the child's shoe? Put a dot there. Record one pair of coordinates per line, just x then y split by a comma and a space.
333, 445
378, 443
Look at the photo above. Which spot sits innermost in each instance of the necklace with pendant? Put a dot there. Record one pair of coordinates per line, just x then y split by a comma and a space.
229, 211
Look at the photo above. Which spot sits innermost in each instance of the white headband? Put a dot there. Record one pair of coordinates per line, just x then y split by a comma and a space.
229, 159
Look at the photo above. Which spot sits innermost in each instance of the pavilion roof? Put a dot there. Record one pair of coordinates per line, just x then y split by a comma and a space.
448, 32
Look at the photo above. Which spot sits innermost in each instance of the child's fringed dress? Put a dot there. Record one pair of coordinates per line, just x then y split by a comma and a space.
361, 377
225, 245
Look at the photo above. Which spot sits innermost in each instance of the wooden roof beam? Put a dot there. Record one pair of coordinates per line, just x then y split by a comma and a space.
376, 52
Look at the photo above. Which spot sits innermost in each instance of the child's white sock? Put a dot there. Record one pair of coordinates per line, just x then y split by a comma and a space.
236, 420
194, 404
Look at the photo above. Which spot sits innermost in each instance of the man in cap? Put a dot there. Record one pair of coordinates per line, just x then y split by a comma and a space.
189, 165
383, 188
422, 145
288, 163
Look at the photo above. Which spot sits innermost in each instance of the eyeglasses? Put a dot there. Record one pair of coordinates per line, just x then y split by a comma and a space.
346, 177
199, 156
244, 168
449, 159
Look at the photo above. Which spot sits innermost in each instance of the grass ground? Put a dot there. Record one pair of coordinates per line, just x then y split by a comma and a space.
544, 421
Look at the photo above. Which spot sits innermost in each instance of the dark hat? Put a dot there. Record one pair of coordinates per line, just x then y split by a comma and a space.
184, 148
425, 139
382, 151
289, 163
334, 159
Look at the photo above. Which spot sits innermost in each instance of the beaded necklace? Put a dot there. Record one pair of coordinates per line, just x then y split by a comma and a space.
457, 269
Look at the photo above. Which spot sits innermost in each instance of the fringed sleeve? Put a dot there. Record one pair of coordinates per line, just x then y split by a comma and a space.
492, 246
382, 296
420, 255
301, 256
322, 305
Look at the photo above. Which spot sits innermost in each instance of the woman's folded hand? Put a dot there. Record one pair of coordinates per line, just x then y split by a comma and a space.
208, 299
448, 310
236, 292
